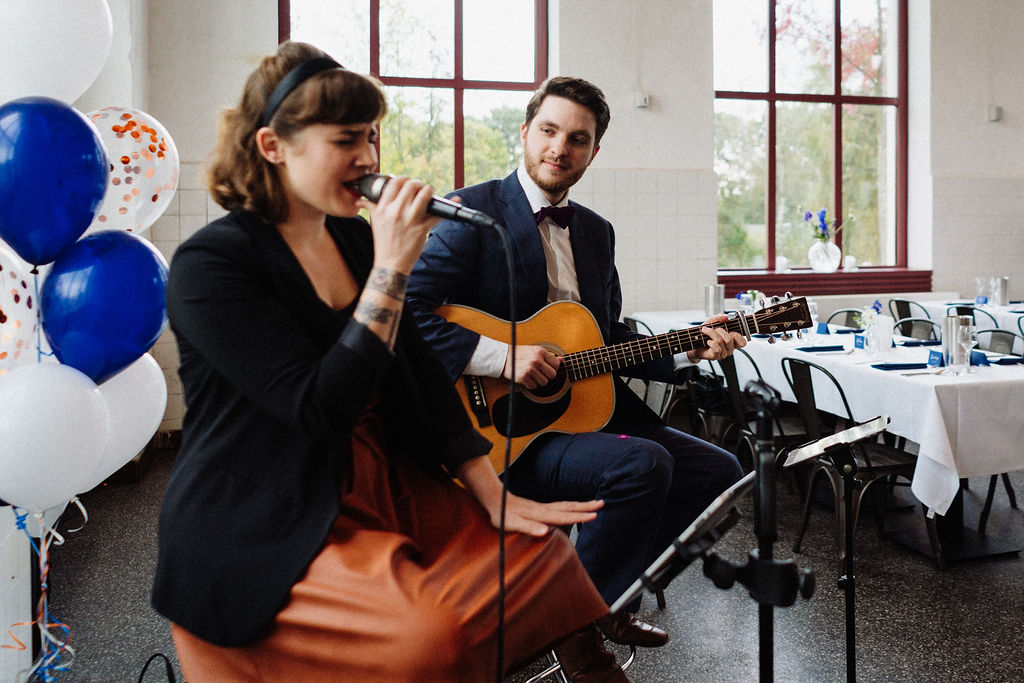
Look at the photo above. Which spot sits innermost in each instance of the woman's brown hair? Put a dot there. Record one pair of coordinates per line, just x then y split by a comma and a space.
237, 175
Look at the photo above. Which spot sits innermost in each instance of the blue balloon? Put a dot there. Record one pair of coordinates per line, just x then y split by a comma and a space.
53, 173
103, 303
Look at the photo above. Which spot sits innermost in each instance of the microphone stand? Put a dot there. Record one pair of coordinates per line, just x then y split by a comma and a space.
772, 583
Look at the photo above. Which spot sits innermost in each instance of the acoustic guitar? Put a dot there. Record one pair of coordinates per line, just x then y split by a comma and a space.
581, 396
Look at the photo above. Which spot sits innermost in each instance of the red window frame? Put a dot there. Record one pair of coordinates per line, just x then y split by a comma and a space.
457, 84
864, 280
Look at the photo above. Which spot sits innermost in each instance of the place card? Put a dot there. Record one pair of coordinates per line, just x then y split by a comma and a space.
936, 359
822, 328
860, 341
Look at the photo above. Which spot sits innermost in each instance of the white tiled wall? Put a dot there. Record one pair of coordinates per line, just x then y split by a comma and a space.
665, 228
190, 210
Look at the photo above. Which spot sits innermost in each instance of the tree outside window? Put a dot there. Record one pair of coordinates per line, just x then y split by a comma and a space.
808, 116
457, 73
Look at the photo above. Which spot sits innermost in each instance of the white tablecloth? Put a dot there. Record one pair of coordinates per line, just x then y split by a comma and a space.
968, 425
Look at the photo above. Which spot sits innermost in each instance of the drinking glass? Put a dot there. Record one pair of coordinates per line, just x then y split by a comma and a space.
967, 339
812, 309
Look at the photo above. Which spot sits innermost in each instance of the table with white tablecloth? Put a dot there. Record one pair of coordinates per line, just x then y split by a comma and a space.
967, 425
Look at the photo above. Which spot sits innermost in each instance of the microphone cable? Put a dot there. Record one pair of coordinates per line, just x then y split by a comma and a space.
510, 265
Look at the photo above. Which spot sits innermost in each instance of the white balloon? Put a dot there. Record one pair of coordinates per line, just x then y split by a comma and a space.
54, 425
52, 47
136, 397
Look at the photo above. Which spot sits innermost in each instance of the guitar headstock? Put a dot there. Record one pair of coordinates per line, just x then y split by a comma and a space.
782, 315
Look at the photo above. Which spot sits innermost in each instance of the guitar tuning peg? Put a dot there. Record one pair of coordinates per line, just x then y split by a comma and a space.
788, 296
775, 299
786, 336
761, 303
771, 338
799, 334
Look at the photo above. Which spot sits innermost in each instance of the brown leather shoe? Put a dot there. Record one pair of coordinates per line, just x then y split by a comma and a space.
584, 659
626, 629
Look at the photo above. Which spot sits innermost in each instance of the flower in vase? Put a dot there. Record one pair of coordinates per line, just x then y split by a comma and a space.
869, 314
820, 228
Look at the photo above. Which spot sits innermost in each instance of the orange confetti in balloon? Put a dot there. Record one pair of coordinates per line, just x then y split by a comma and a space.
126, 159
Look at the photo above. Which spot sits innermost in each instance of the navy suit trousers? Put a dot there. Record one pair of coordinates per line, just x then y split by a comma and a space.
654, 483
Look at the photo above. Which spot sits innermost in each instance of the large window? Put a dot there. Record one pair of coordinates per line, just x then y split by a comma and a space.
810, 113
458, 75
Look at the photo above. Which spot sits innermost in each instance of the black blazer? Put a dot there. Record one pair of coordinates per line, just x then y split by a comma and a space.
274, 381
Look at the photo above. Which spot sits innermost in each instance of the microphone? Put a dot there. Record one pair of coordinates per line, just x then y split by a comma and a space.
372, 184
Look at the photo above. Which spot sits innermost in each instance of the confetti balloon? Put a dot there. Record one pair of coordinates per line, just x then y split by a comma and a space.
143, 169
18, 307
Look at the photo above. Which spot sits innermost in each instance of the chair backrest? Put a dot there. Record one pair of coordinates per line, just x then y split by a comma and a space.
1001, 341
637, 325
659, 396
800, 376
981, 317
918, 328
1020, 324
727, 366
847, 317
905, 308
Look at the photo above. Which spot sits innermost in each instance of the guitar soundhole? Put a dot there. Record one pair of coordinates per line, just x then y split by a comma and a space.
552, 390
530, 417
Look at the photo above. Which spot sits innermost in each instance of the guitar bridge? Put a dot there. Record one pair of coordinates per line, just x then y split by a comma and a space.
477, 399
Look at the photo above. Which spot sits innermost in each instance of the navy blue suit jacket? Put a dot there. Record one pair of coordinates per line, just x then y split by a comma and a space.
463, 264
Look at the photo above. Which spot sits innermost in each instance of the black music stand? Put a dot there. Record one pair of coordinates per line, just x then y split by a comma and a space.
770, 582
838, 448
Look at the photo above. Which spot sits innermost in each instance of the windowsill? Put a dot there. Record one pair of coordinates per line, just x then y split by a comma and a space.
805, 282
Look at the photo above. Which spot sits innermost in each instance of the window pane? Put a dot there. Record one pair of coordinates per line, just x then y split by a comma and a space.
498, 40
804, 46
803, 177
493, 145
869, 172
869, 48
416, 38
343, 33
416, 135
740, 158
741, 45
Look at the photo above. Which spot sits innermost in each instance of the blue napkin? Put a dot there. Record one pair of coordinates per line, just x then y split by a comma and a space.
900, 366
814, 349
920, 342
849, 330
979, 358
762, 335
1009, 360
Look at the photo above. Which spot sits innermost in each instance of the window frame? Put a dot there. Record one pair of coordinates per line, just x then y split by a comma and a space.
457, 84
866, 279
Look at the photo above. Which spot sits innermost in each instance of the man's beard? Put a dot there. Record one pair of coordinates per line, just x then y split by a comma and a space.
555, 187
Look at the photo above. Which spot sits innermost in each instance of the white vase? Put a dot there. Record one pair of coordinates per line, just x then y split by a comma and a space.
824, 256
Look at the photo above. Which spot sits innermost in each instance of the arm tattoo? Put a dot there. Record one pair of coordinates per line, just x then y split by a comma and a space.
379, 314
390, 282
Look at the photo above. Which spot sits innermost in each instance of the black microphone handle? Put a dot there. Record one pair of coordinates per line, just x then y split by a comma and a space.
372, 185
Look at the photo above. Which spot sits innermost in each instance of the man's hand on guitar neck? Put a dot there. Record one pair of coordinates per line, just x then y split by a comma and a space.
721, 342
535, 366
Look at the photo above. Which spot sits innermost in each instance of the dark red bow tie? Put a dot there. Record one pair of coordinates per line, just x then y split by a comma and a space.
561, 215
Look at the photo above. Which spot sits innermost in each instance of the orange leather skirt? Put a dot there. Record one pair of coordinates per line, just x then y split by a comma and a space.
406, 588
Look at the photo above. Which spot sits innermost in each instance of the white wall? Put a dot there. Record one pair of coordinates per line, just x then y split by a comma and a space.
186, 59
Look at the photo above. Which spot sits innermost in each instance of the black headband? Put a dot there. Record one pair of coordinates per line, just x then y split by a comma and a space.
292, 80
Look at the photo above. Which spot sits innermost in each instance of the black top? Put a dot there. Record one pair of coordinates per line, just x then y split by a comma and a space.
274, 380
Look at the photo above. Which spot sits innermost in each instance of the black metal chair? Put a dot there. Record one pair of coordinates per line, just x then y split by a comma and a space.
998, 341
918, 328
739, 433
875, 461
906, 308
981, 317
847, 317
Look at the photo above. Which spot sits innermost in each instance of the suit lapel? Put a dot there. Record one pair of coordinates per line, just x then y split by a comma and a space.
531, 268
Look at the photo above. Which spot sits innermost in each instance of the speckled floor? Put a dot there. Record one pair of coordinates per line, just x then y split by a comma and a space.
914, 622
